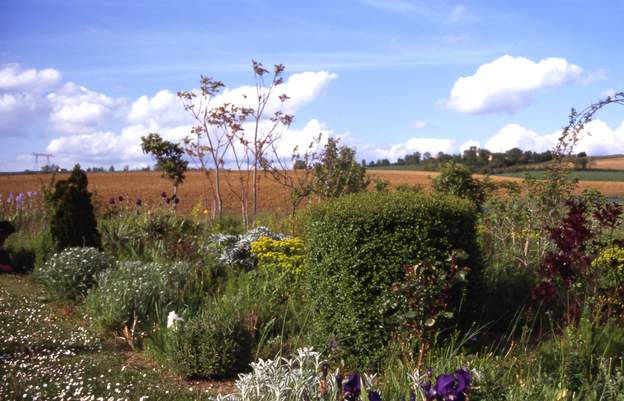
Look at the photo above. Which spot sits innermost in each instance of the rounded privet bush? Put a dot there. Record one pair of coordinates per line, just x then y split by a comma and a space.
356, 248
136, 294
215, 343
71, 273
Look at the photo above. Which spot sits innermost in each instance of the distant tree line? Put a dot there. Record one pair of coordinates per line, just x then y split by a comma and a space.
478, 160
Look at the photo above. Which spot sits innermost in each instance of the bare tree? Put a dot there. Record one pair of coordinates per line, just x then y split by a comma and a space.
230, 119
266, 131
571, 134
298, 175
208, 143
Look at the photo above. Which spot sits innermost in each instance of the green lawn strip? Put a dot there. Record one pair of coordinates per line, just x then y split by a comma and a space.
48, 352
582, 175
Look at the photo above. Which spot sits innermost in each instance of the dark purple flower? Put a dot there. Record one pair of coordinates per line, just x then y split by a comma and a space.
445, 386
176, 200
111, 201
427, 389
121, 198
139, 202
338, 378
413, 395
463, 380
325, 369
352, 387
374, 396
163, 194
450, 387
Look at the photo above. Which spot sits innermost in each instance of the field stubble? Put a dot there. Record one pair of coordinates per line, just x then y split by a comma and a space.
273, 197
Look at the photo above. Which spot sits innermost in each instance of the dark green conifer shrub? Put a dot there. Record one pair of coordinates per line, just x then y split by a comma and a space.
356, 248
72, 219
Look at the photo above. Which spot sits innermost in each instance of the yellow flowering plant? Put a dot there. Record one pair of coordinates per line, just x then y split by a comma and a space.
283, 255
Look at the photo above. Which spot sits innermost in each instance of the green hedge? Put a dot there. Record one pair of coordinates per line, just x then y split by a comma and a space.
356, 247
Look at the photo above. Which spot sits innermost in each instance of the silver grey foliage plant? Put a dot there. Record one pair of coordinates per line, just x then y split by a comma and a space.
236, 249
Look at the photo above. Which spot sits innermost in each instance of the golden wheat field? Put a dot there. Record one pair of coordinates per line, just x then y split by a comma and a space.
614, 163
273, 197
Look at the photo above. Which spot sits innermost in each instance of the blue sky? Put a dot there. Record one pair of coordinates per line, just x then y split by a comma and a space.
387, 74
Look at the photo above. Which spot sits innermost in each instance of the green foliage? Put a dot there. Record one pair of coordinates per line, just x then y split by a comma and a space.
356, 248
155, 237
609, 269
381, 185
273, 304
136, 294
338, 173
72, 219
455, 179
72, 272
21, 248
419, 302
215, 343
169, 157
575, 355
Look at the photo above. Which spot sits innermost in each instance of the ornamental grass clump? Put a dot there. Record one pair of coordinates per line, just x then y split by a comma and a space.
71, 273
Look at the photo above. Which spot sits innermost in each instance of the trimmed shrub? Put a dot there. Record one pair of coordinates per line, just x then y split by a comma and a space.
356, 248
215, 343
136, 294
72, 220
71, 273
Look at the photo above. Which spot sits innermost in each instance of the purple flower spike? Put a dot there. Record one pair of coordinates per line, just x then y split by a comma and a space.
352, 387
413, 395
374, 396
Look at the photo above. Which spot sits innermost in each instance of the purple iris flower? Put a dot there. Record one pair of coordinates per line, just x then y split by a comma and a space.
451, 387
352, 387
374, 396
463, 380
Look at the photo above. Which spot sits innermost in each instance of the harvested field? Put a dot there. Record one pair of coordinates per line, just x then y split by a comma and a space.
615, 163
272, 197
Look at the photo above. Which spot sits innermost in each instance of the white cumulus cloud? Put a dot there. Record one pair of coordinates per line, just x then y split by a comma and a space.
597, 139
80, 113
78, 110
422, 145
14, 78
508, 84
